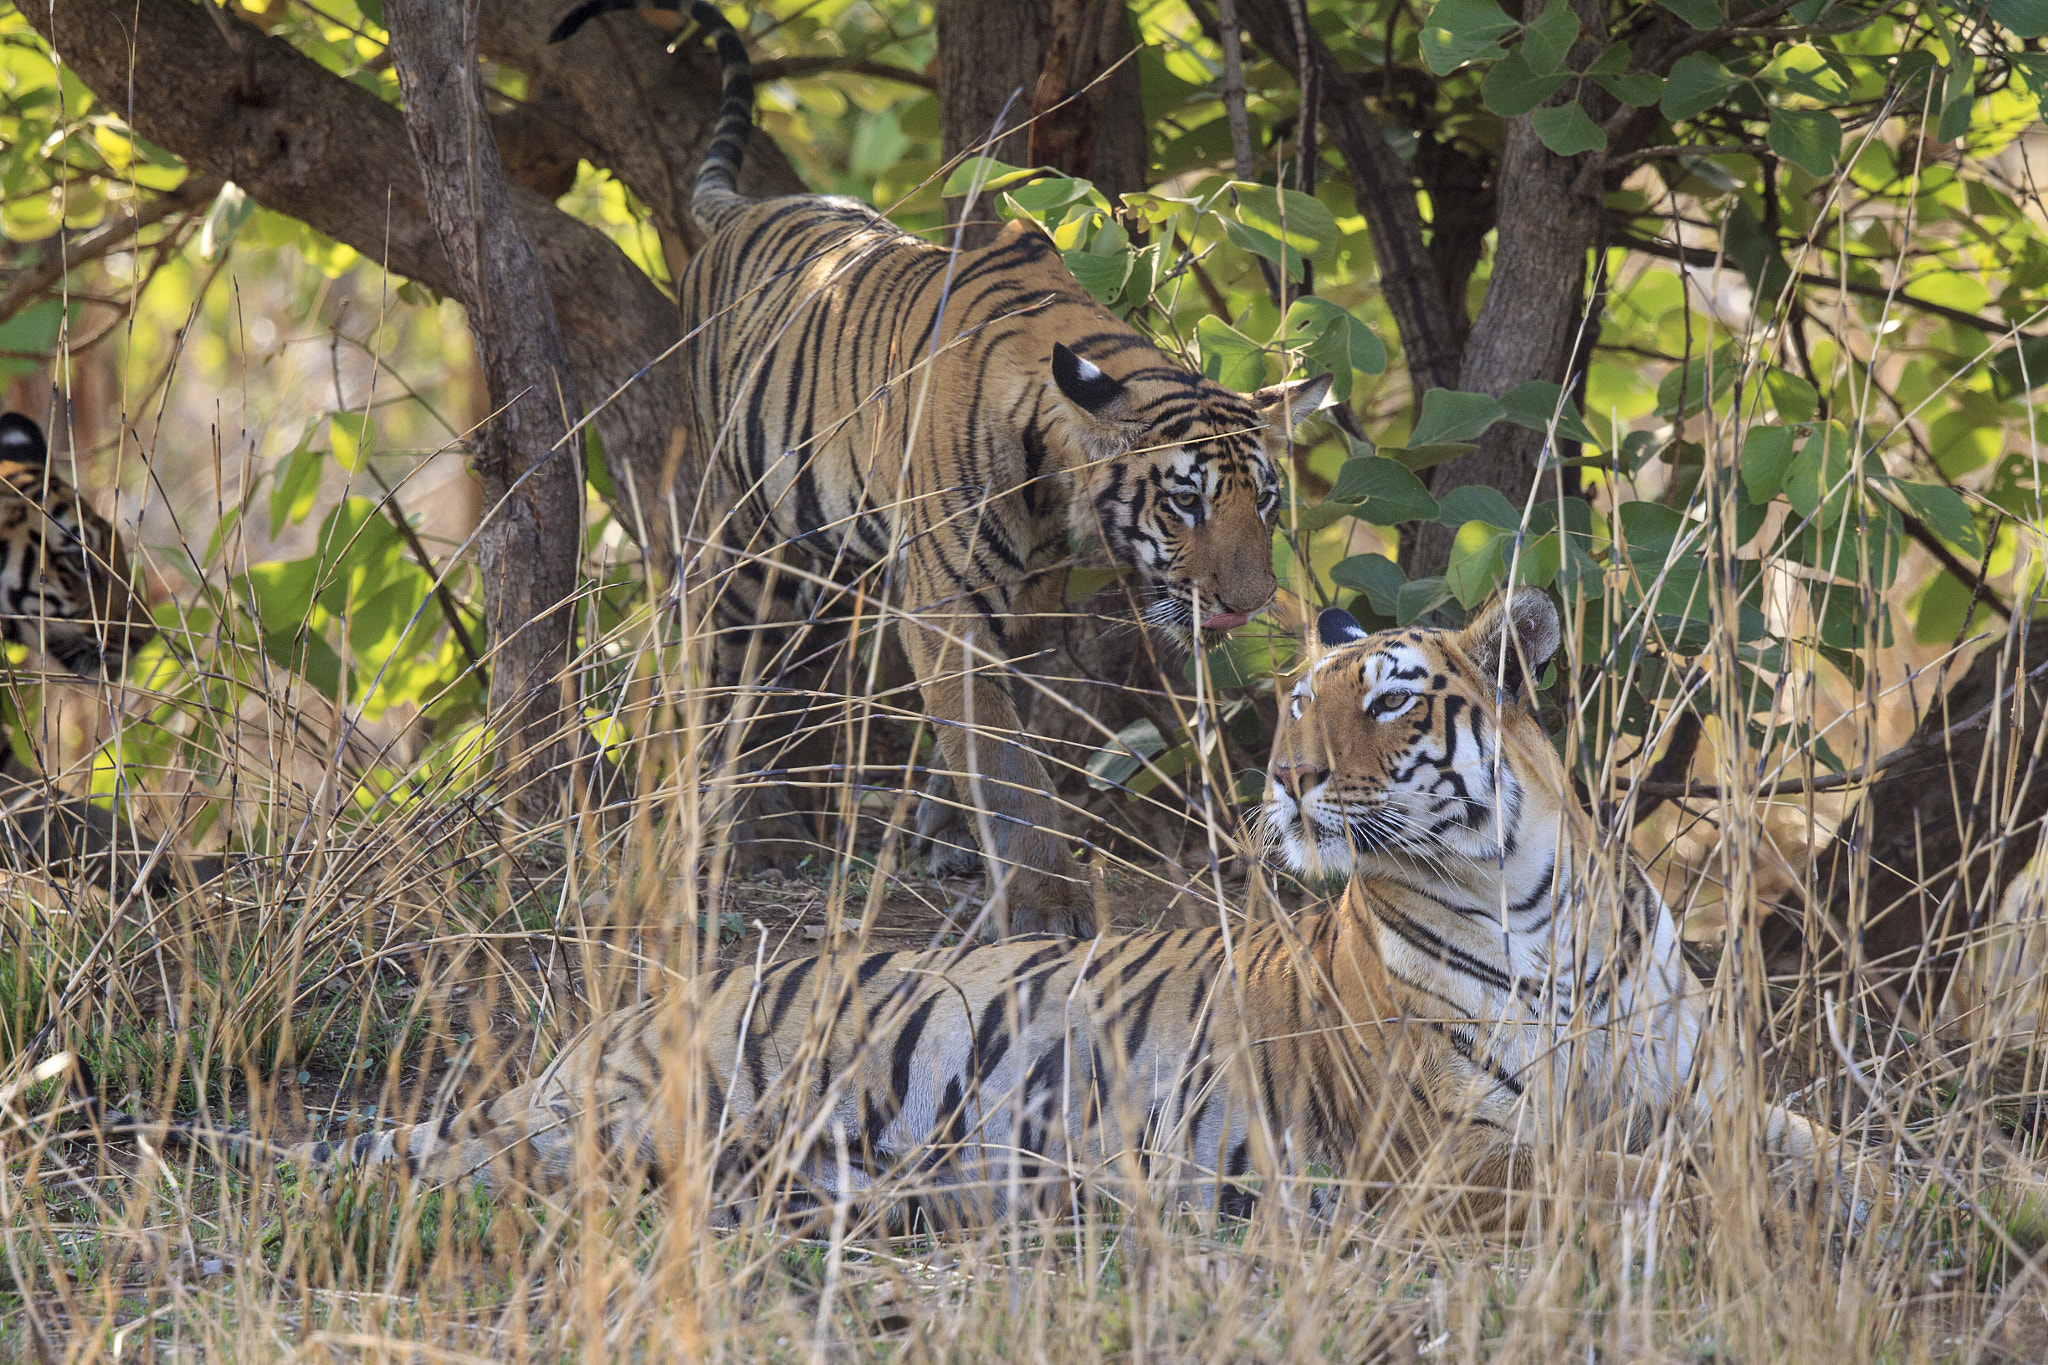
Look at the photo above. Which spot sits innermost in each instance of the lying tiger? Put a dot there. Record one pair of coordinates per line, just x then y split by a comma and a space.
1490, 993
880, 418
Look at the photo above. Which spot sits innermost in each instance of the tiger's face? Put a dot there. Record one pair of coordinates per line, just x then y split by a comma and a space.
1182, 484
1413, 744
64, 587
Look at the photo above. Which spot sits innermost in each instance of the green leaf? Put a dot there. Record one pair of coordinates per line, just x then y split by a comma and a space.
1766, 452
1450, 416
2032, 70
1540, 560
1939, 610
1632, 88
294, 484
992, 174
2027, 18
352, 435
2020, 369
1943, 511
1330, 339
1230, 357
1792, 396
1476, 564
1112, 765
1385, 493
1511, 87
1533, 405
1378, 577
1701, 14
1696, 84
1102, 276
1958, 97
1649, 529
1156, 208
1419, 598
1817, 480
1548, 39
1264, 244
1244, 660
1461, 31
1040, 197
1568, 130
1612, 61
1686, 384
1478, 502
1810, 139
1302, 218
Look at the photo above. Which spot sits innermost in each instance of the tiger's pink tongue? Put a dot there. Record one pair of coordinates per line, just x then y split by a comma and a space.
1225, 620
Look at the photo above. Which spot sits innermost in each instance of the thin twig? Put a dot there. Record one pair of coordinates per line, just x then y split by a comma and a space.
1912, 748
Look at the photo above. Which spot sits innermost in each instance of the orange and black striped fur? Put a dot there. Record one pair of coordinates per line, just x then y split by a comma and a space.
65, 595
64, 588
1496, 990
939, 431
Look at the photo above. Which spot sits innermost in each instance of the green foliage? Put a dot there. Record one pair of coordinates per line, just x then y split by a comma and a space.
1863, 375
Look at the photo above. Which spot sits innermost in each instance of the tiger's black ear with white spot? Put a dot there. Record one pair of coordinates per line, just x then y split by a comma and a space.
1512, 637
1337, 626
1293, 404
1088, 388
21, 441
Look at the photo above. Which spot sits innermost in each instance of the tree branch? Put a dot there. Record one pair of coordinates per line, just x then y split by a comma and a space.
59, 257
1701, 256
794, 68
314, 147
1921, 744
1386, 195
528, 458
645, 111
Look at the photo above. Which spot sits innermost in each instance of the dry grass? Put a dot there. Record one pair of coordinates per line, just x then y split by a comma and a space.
326, 987
388, 942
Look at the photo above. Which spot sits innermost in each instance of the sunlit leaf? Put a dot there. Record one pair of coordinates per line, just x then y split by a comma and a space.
1461, 31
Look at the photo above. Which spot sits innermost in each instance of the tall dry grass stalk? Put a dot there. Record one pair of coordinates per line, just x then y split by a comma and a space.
396, 938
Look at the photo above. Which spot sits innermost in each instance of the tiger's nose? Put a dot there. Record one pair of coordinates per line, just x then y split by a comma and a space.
1297, 778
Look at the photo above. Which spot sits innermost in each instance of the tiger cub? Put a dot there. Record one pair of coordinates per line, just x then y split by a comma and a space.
937, 431
1490, 994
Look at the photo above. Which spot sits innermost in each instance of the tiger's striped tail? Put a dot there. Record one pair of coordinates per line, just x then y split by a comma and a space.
716, 198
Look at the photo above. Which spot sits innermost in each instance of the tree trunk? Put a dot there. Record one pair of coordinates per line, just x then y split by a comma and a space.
992, 65
1547, 222
1070, 109
530, 465
1934, 843
235, 103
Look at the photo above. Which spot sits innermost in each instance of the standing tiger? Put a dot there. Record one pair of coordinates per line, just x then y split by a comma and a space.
1497, 989
938, 430
64, 594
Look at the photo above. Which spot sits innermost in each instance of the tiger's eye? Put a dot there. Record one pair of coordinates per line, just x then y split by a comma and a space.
1188, 502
